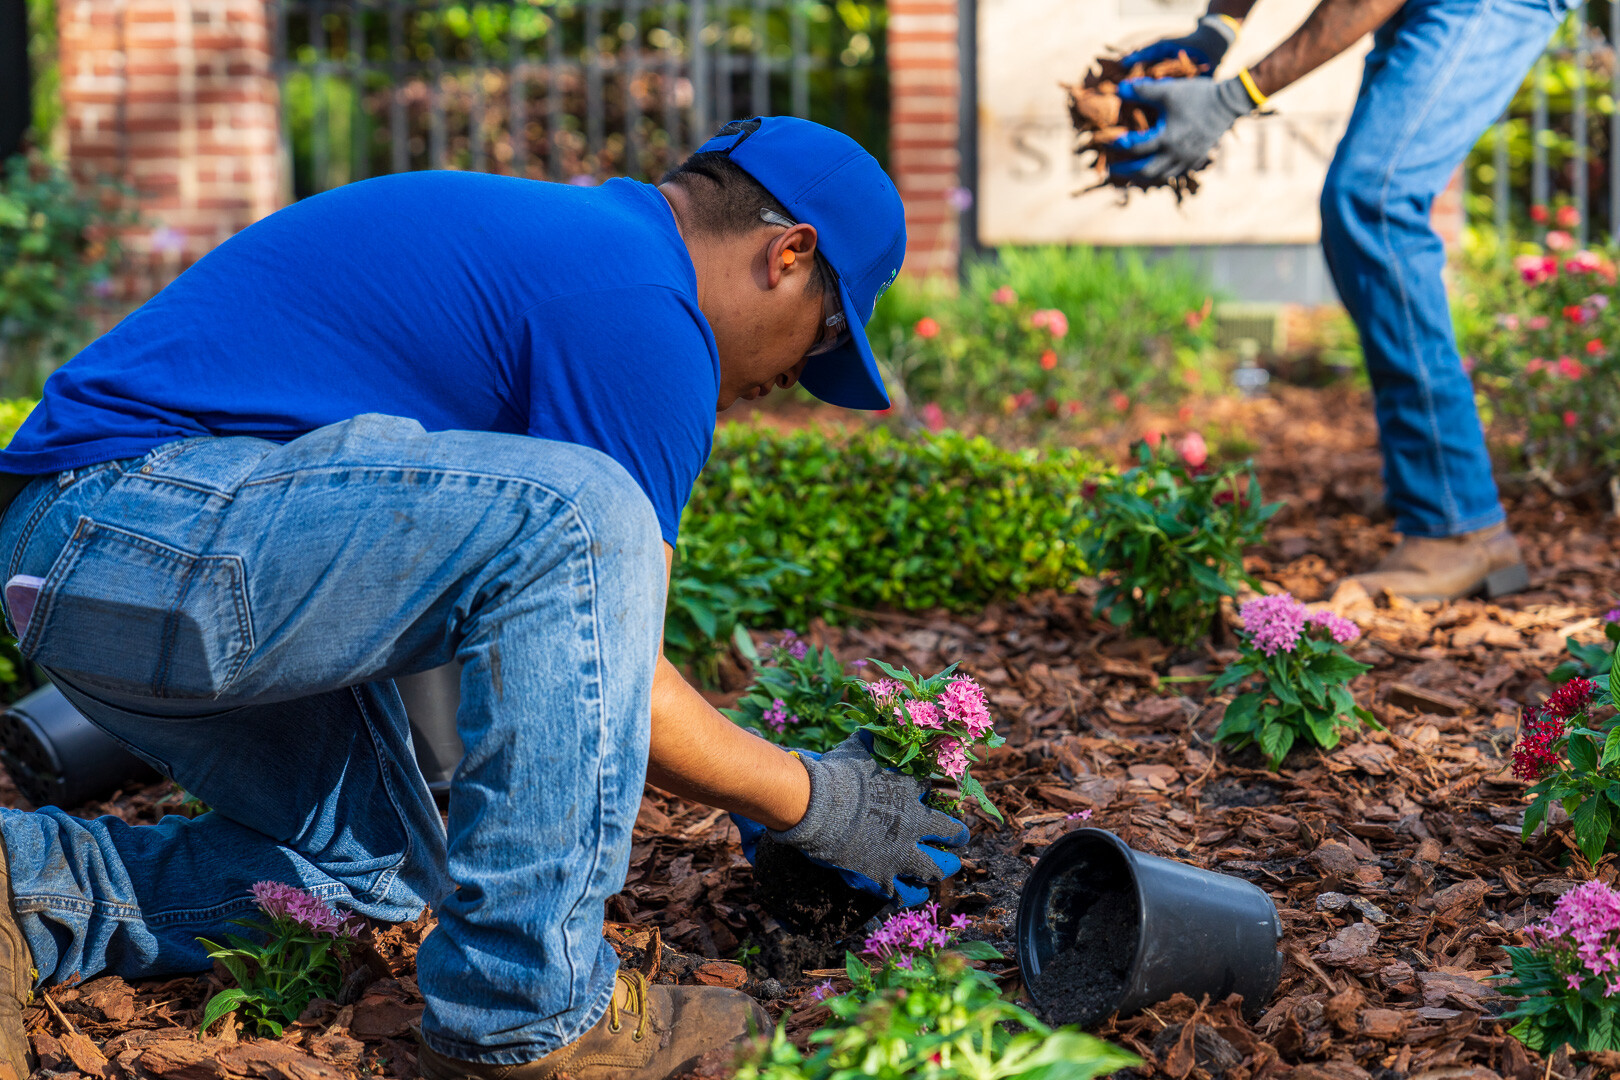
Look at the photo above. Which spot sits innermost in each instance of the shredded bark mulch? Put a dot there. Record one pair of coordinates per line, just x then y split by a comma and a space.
1394, 860
1100, 117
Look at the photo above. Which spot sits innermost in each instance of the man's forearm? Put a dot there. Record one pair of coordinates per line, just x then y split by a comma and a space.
700, 755
1329, 30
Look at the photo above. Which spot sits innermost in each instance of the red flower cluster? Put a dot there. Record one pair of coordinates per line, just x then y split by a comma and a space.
1534, 756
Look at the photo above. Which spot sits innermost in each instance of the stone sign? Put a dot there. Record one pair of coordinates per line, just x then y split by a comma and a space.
1269, 169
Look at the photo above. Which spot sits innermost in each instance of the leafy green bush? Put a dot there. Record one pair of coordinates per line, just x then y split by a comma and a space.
1589, 661
798, 695
58, 248
1169, 538
1048, 332
1303, 674
716, 588
1542, 337
876, 517
923, 1011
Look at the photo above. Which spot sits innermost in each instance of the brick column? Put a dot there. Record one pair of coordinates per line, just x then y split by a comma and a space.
924, 96
178, 99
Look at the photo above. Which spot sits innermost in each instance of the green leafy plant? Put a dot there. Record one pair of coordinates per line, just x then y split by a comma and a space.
1587, 661
918, 1008
1048, 333
301, 959
58, 249
1297, 656
882, 518
928, 728
716, 589
1169, 537
1575, 760
1568, 975
798, 695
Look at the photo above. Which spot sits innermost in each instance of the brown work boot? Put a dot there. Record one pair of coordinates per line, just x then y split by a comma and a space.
649, 1033
16, 984
1450, 567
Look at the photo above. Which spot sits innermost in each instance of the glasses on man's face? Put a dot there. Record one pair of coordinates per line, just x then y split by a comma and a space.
834, 326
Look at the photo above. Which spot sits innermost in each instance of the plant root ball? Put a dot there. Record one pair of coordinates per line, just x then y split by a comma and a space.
1100, 117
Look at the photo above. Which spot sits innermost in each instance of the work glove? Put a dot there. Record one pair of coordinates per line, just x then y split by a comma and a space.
1207, 44
1193, 115
869, 823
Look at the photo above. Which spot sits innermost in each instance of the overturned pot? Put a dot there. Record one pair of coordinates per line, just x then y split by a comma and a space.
1103, 928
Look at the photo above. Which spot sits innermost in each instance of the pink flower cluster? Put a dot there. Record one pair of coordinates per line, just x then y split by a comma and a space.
1052, 320
778, 717
885, 692
291, 904
1275, 623
951, 757
1585, 929
907, 933
964, 703
924, 714
791, 644
1536, 269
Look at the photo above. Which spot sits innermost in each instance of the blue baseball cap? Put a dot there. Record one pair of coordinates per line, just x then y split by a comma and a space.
823, 178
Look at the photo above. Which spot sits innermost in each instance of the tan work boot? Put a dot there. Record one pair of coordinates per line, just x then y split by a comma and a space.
649, 1033
1450, 567
16, 984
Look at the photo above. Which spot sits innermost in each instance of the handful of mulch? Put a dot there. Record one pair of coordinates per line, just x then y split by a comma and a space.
1100, 117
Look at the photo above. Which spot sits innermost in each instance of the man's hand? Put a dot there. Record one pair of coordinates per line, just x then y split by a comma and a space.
1207, 44
1193, 115
871, 821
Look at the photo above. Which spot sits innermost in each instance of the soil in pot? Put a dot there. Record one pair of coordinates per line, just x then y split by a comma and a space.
1085, 980
809, 899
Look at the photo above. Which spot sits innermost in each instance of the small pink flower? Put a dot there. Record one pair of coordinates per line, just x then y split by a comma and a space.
1119, 401
1539, 322
927, 328
933, 416
1193, 450
964, 703
1535, 364
1507, 321
1004, 296
1570, 418
923, 714
1567, 217
951, 757
1078, 815
1594, 347
1558, 240
1570, 368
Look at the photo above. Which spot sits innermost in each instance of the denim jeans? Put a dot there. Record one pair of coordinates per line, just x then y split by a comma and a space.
232, 610
1439, 73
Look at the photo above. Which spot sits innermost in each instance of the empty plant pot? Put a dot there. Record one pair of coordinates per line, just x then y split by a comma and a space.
58, 758
1103, 928
431, 698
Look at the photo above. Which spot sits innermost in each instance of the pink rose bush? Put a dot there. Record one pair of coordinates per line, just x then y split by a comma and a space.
1295, 660
1568, 974
928, 727
1539, 340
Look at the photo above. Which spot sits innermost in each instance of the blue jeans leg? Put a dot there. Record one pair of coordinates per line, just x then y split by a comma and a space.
233, 609
1439, 73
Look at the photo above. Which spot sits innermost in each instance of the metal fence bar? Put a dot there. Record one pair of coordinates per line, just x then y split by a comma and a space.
1580, 174
475, 112
798, 35
1538, 125
437, 136
593, 82
319, 128
759, 64
399, 139
696, 22
631, 48
1499, 185
517, 104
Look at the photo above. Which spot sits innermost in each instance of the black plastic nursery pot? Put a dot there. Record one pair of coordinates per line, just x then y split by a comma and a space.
58, 758
431, 698
1103, 928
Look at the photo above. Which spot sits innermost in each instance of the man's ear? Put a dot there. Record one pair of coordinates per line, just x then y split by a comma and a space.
791, 255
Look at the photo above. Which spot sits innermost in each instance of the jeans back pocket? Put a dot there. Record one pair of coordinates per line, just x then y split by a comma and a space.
128, 613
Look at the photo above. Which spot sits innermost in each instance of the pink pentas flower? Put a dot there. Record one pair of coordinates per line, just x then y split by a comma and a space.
933, 417
907, 933
1612, 615
1583, 933
776, 716
950, 755
964, 703
884, 693
1338, 627
1558, 240
1539, 322
1004, 296
923, 714
1274, 623
288, 903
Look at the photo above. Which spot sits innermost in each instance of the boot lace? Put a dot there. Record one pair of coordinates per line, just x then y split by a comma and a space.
635, 985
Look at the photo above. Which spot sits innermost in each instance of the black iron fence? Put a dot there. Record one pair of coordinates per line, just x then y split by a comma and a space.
561, 89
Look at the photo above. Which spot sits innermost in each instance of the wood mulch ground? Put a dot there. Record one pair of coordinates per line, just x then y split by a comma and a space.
1394, 860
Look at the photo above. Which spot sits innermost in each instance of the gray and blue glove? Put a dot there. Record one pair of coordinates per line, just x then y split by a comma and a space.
869, 823
1207, 44
1193, 115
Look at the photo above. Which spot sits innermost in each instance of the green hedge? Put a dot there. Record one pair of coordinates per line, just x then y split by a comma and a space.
877, 518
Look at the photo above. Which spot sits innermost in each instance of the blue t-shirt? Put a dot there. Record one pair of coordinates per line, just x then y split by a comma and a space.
462, 300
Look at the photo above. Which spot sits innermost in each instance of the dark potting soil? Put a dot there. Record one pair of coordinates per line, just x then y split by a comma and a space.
808, 899
1085, 981
1229, 791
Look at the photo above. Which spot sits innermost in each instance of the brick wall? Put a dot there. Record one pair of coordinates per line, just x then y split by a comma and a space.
178, 99
925, 94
